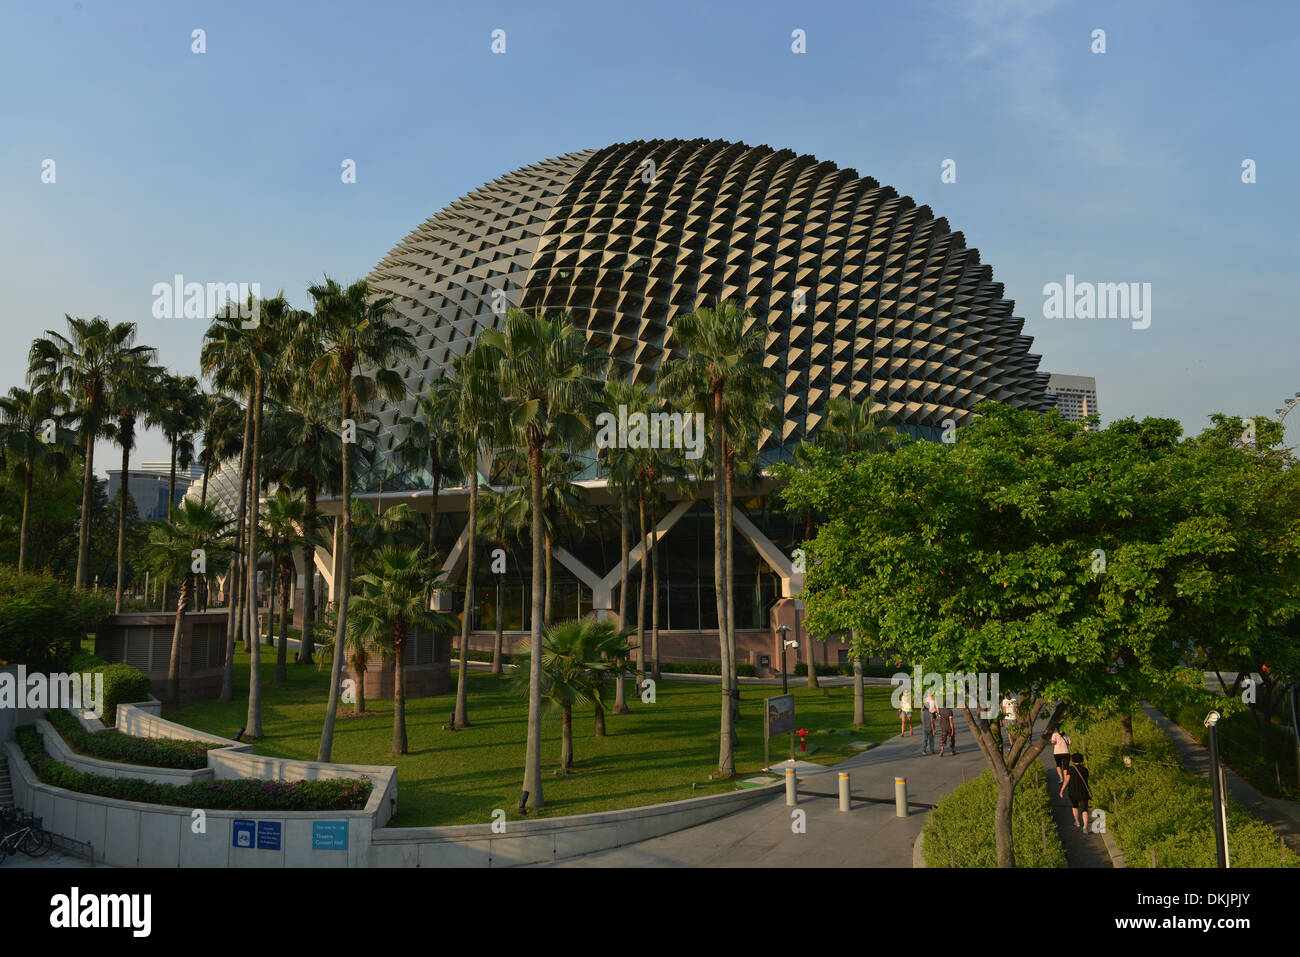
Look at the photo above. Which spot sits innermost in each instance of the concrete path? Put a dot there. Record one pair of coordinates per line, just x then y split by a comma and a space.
869, 835
1081, 849
1282, 816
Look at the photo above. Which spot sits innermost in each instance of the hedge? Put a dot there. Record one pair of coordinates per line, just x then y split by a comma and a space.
112, 745
702, 668
1157, 806
348, 794
40, 615
962, 832
123, 684
868, 671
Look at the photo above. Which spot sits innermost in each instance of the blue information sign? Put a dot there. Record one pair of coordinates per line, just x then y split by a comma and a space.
242, 833
268, 835
329, 835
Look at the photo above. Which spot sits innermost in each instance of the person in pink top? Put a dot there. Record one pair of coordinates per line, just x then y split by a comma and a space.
1061, 751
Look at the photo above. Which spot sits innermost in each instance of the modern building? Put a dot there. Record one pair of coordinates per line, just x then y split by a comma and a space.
148, 485
861, 292
1076, 395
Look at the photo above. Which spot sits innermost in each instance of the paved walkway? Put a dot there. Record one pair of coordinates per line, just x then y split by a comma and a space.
869, 835
1282, 816
1081, 849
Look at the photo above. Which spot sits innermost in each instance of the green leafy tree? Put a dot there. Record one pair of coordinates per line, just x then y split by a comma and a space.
26, 419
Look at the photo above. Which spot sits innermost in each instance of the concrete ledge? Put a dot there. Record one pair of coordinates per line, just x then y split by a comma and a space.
141, 721
61, 752
382, 804
551, 839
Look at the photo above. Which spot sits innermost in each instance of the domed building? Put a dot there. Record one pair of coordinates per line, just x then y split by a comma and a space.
860, 290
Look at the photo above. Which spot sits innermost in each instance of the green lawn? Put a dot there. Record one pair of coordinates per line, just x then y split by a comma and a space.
649, 756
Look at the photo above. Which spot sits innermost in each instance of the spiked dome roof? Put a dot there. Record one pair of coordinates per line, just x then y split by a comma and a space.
860, 290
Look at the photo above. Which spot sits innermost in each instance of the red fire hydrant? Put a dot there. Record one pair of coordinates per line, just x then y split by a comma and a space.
803, 738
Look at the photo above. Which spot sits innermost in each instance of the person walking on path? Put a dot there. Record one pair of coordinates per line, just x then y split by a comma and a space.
1061, 752
1010, 717
1075, 784
947, 730
929, 715
905, 712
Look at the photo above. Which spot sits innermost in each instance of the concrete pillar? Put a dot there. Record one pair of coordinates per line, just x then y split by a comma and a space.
844, 791
791, 788
900, 797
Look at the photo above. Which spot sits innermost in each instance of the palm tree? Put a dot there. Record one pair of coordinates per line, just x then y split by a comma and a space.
547, 390
82, 365
622, 469
179, 414
354, 332
573, 669
719, 346
504, 514
431, 441
472, 381
134, 391
23, 419
305, 452
393, 600
286, 529
611, 649
173, 550
221, 435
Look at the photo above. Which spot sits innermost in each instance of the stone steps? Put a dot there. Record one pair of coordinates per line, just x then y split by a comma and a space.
6, 790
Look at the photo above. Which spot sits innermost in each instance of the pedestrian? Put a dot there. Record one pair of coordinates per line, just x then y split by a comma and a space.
947, 729
905, 712
1061, 752
928, 716
1075, 784
1010, 717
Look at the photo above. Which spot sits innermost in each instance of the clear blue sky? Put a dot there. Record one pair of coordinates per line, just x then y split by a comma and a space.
1115, 167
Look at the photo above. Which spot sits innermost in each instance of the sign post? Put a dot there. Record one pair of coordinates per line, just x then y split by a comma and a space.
778, 718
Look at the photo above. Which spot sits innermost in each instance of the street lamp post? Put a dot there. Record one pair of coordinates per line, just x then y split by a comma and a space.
781, 631
1216, 791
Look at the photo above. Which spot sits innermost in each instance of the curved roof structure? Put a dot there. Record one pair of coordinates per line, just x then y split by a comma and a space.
861, 291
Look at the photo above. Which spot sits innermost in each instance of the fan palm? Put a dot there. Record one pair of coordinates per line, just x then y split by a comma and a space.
286, 529
504, 514
83, 365
547, 391
354, 332
621, 469
180, 550
430, 441
24, 417
135, 391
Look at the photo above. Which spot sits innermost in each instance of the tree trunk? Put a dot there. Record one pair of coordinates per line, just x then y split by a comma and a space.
467, 620
174, 664
600, 719
654, 601
282, 652
234, 619
499, 640
566, 740
1126, 734
342, 584
124, 435
726, 754
1002, 823
546, 609
808, 657
307, 644
83, 534
533, 752
731, 592
171, 482
641, 591
254, 722
859, 718
27, 499
207, 467
359, 676
625, 545
399, 690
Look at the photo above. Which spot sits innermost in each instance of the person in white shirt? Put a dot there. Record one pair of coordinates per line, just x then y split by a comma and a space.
905, 712
1010, 718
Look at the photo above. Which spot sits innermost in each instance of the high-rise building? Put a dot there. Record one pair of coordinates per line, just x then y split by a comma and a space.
1076, 395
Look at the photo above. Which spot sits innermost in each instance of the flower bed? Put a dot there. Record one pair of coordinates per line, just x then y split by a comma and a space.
112, 745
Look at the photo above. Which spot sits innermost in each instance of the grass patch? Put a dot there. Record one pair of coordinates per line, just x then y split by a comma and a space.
1157, 806
652, 755
963, 835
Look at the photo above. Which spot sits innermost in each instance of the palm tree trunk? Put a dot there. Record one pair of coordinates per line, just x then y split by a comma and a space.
808, 657
171, 482
399, 690
546, 611
124, 434
254, 722
625, 545
343, 579
462, 681
207, 467
654, 601
306, 646
359, 672
282, 653
234, 617
83, 534
600, 719
726, 754
859, 717
496, 644
533, 752
731, 593
641, 592
27, 499
566, 740
174, 664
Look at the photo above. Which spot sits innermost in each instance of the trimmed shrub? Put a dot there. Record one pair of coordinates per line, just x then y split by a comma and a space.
40, 615
1157, 806
846, 671
113, 745
85, 661
123, 684
703, 668
348, 794
962, 831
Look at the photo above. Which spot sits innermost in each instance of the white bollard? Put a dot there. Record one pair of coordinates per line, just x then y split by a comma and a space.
791, 788
900, 797
844, 791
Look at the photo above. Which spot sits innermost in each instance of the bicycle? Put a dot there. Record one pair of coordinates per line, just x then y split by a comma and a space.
24, 834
